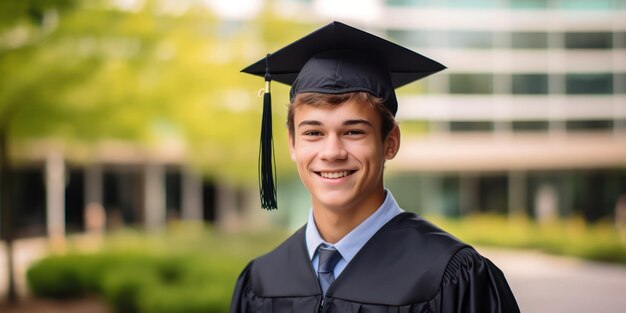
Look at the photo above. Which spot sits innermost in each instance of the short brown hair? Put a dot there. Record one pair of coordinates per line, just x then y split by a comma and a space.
387, 120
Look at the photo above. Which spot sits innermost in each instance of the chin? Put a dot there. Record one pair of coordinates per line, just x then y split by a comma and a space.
334, 201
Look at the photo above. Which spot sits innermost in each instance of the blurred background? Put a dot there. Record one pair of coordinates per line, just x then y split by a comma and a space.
129, 142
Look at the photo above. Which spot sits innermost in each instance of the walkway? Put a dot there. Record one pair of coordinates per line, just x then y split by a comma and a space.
543, 283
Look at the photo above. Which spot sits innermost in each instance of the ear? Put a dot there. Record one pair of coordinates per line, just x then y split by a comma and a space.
392, 143
292, 150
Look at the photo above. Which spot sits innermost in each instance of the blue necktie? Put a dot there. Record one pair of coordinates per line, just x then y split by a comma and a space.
328, 258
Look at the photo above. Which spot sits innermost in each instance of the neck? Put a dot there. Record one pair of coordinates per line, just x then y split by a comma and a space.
334, 224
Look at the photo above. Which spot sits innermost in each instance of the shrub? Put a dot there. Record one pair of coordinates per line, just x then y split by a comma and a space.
122, 287
185, 298
56, 277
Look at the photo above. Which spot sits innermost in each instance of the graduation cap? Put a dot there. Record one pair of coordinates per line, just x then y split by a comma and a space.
334, 59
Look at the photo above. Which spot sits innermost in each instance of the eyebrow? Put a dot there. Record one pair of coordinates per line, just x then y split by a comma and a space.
309, 123
357, 122
345, 123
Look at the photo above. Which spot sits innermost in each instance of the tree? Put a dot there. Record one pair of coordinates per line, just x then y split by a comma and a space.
24, 24
81, 72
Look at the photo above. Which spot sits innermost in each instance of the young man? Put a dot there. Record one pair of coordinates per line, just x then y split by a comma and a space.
359, 252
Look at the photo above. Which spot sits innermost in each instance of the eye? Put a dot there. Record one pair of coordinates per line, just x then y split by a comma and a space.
312, 133
355, 132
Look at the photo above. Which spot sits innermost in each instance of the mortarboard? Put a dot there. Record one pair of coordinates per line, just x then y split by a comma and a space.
334, 59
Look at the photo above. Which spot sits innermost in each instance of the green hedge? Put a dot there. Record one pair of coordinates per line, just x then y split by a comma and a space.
182, 271
139, 283
597, 242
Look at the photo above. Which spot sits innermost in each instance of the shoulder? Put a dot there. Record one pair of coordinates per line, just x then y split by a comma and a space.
418, 235
473, 282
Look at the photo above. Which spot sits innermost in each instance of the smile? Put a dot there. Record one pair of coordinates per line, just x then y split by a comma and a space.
334, 175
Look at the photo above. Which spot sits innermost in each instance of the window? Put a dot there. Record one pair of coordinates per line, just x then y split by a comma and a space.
408, 37
578, 84
408, 2
620, 83
529, 4
585, 4
471, 83
598, 125
620, 39
471, 4
531, 40
471, 126
589, 40
529, 126
470, 39
534, 84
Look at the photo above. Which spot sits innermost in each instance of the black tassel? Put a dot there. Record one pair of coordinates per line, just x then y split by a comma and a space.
267, 161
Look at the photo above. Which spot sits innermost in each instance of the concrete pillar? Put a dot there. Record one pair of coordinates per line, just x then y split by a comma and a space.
95, 216
468, 194
55, 196
517, 193
226, 215
191, 195
546, 203
154, 196
259, 219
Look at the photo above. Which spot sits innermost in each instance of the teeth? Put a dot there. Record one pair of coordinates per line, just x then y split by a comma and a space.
334, 174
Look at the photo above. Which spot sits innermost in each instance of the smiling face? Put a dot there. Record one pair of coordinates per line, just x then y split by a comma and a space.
340, 155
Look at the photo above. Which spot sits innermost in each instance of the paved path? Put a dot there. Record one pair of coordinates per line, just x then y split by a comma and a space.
541, 283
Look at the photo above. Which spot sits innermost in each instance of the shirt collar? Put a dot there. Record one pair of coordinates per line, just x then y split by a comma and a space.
351, 243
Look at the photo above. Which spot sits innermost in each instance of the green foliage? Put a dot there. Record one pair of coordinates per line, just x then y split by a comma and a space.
597, 242
96, 72
123, 286
186, 270
57, 277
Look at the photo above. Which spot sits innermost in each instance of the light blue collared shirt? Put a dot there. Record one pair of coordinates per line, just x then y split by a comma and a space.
352, 243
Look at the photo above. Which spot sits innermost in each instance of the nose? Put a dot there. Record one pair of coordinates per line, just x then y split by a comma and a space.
333, 149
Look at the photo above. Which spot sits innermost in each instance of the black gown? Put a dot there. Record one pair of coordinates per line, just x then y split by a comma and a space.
408, 266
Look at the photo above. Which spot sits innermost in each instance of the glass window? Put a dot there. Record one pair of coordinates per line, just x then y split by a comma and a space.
531, 40
471, 83
408, 37
589, 125
492, 193
535, 84
620, 82
589, 40
577, 84
471, 4
585, 4
620, 40
408, 2
529, 4
470, 39
471, 126
528, 126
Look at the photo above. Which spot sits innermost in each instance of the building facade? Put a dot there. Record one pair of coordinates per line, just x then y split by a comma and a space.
528, 119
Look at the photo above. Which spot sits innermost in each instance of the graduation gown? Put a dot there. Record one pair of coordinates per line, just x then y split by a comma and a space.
408, 266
